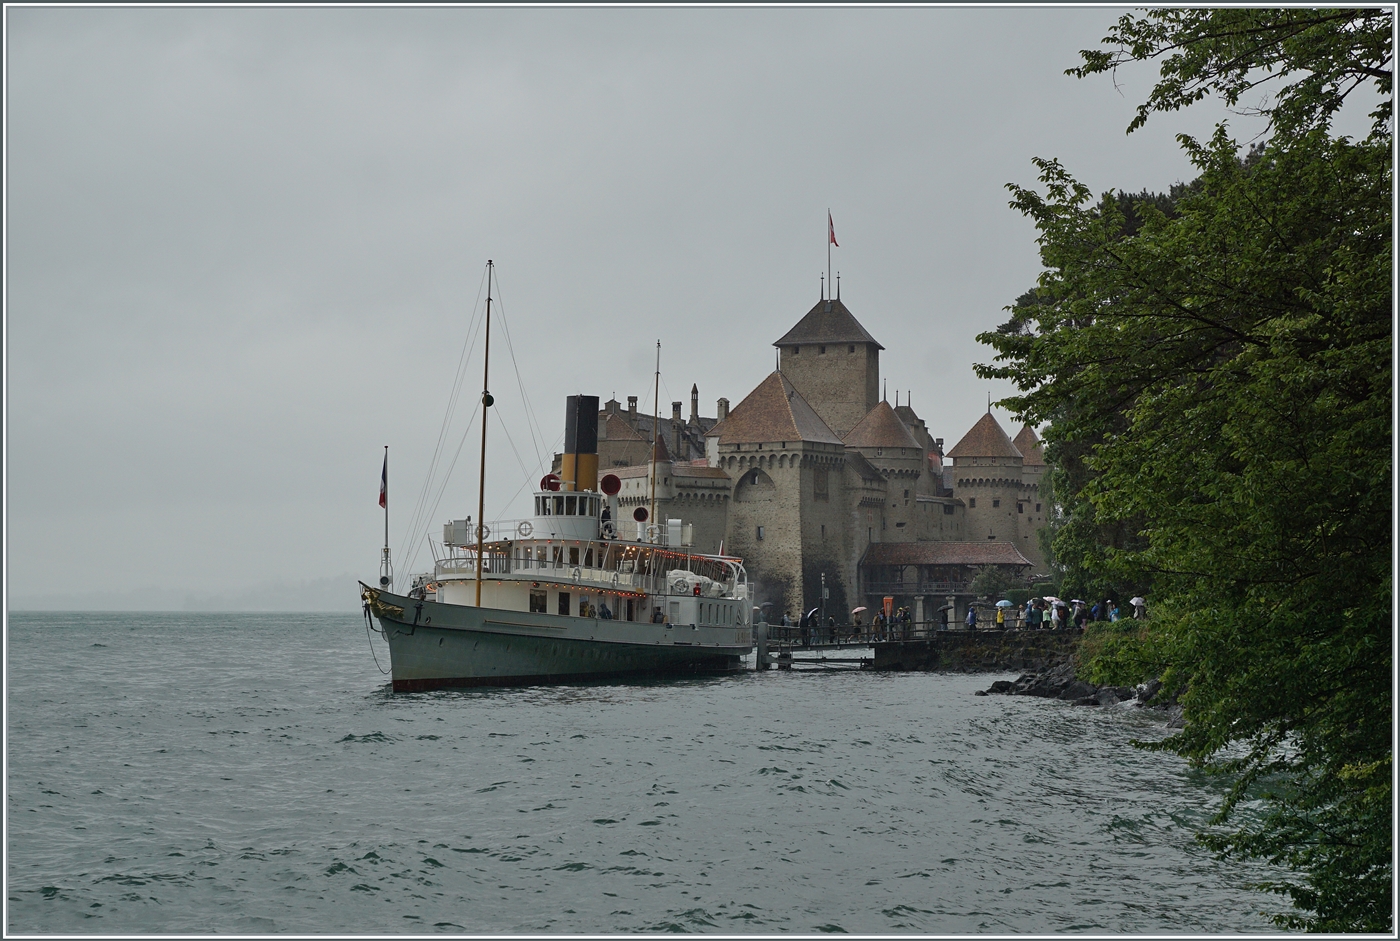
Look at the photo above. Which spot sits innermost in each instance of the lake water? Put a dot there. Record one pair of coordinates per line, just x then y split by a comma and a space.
251, 773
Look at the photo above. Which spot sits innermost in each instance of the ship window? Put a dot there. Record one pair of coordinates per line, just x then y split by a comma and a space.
571, 506
537, 507
558, 556
631, 615
539, 601
563, 602
539, 554
573, 555
558, 506
588, 558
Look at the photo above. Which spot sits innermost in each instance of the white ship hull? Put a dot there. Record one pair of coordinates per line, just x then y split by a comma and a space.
433, 645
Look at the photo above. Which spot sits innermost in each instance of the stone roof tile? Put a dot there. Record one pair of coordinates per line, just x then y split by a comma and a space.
880, 428
986, 439
1029, 445
773, 411
991, 552
829, 322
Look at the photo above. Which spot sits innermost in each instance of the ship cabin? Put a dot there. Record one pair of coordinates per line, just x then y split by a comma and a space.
571, 558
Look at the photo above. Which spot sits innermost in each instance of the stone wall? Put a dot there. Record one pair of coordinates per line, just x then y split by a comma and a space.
980, 651
841, 381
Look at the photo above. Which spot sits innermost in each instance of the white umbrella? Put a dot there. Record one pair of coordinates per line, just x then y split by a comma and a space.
1137, 601
1005, 604
858, 610
1051, 598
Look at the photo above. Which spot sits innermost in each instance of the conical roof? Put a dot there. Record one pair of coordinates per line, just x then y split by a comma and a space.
880, 428
659, 454
774, 411
1029, 445
986, 439
829, 322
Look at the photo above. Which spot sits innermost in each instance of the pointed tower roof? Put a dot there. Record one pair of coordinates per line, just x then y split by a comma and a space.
829, 322
880, 428
614, 427
659, 454
774, 411
1029, 445
986, 439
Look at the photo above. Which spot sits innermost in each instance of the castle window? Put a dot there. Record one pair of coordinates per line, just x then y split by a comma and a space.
760, 533
996, 503
1020, 507
851, 348
947, 509
971, 502
821, 351
823, 530
1037, 507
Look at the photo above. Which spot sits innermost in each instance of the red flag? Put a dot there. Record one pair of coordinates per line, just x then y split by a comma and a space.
384, 483
831, 231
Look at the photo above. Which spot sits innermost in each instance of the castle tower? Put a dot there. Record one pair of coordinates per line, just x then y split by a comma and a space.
787, 515
886, 442
1031, 507
833, 363
987, 470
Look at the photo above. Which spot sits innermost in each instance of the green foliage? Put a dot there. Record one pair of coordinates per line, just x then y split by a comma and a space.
1232, 53
1216, 375
992, 582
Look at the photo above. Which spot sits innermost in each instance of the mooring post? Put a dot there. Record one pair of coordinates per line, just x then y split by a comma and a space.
760, 639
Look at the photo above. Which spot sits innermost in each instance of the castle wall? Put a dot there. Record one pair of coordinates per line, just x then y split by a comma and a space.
990, 488
841, 381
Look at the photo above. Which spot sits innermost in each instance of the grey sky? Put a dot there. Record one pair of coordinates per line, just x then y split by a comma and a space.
244, 245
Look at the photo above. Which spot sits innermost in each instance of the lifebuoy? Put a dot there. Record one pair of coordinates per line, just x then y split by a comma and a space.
577, 573
614, 580
525, 528
483, 531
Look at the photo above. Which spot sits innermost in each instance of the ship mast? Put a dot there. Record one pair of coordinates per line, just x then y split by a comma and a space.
486, 401
655, 430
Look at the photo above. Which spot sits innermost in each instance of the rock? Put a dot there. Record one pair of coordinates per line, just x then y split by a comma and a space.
1087, 701
1079, 690
1113, 695
980, 692
1002, 686
1147, 690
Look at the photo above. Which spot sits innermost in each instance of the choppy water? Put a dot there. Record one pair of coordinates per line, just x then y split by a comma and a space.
252, 774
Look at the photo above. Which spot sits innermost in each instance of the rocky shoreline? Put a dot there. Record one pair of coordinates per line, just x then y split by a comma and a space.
1060, 682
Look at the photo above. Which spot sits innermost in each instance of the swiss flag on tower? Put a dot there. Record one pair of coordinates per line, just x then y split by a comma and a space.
831, 230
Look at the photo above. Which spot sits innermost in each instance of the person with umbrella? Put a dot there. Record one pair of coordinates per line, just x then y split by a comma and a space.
855, 623
1139, 608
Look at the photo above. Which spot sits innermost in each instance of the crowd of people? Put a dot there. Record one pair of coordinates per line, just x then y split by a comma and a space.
1047, 613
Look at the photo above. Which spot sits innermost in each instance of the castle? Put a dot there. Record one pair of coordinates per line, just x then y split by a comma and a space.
820, 485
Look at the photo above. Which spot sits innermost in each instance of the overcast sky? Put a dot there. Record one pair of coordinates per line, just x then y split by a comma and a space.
245, 246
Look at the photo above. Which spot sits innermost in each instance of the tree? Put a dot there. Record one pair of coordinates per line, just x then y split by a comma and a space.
1223, 372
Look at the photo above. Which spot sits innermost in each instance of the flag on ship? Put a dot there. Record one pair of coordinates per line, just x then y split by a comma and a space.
384, 482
